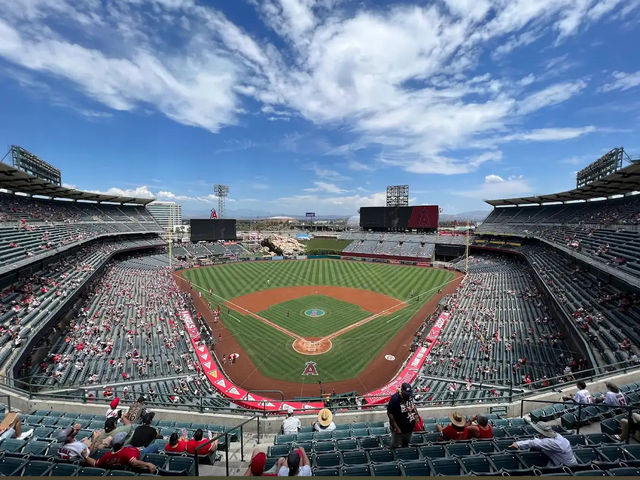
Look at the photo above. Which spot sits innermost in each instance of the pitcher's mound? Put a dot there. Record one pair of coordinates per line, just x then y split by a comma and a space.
307, 346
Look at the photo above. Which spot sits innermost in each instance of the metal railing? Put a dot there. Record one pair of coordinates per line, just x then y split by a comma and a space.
580, 406
226, 434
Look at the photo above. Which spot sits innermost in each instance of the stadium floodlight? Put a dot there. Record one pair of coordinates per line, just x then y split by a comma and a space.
398, 196
222, 192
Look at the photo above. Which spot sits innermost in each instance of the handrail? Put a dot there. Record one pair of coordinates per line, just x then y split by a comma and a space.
225, 434
628, 408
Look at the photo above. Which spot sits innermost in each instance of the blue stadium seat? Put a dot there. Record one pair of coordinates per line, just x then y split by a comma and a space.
416, 468
355, 457
356, 471
390, 469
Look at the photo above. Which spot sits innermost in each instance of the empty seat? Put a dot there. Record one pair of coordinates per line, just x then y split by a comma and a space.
416, 468
91, 472
356, 471
477, 464
181, 464
354, 457
390, 469
433, 451
326, 472
64, 470
381, 455
408, 453
346, 444
327, 460
10, 465
446, 466
625, 472
321, 447
36, 468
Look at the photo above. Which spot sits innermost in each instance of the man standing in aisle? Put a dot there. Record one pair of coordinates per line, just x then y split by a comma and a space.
402, 416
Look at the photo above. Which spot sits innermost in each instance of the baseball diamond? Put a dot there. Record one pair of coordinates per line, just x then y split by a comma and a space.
365, 307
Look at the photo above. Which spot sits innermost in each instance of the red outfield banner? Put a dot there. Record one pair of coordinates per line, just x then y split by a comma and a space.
424, 216
228, 389
410, 371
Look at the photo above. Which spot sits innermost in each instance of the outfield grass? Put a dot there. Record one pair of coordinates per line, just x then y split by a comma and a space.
329, 244
271, 350
338, 314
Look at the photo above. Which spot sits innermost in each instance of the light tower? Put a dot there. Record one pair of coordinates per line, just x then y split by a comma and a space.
222, 192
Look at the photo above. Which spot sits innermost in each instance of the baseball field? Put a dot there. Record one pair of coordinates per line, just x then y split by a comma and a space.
341, 315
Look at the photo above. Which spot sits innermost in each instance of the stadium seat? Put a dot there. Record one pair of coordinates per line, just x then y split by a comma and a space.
390, 469
415, 468
510, 463
64, 470
625, 472
323, 447
159, 460
10, 466
408, 453
356, 471
477, 464
433, 451
446, 466
181, 464
91, 472
381, 455
279, 450
346, 444
459, 449
36, 468
355, 457
326, 472
368, 443
120, 473
483, 446
327, 460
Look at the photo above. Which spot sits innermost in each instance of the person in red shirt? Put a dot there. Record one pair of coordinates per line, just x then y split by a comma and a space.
481, 427
198, 440
176, 444
122, 456
457, 429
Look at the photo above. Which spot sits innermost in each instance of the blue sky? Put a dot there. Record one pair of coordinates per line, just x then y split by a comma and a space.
317, 105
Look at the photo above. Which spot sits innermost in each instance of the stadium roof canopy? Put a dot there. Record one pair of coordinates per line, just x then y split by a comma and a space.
16, 180
623, 181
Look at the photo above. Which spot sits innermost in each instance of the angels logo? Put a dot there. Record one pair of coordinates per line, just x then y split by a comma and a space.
310, 369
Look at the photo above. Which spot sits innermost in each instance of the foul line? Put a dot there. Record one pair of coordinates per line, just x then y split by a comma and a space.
334, 334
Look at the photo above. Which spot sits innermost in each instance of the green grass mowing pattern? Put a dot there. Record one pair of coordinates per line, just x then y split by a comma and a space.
271, 350
338, 314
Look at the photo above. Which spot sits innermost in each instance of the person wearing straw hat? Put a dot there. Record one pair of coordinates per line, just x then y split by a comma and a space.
552, 444
457, 429
402, 416
325, 421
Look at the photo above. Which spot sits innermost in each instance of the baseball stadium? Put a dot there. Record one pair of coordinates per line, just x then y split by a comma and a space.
175, 326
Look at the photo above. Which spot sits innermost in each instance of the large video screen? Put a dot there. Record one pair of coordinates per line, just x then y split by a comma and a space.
212, 230
394, 219
424, 216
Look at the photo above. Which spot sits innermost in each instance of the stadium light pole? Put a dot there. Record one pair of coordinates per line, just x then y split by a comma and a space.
466, 251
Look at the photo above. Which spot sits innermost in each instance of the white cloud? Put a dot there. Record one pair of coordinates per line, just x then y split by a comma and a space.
139, 192
333, 205
622, 81
548, 134
551, 95
404, 79
495, 186
325, 187
327, 173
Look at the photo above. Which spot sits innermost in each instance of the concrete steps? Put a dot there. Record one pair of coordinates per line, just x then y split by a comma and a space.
237, 467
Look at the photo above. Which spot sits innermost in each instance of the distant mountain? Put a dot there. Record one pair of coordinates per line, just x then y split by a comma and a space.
473, 216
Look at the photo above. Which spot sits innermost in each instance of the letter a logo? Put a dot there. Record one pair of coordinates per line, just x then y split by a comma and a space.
310, 369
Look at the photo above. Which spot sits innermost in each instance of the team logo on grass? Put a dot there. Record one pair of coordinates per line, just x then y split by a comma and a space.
314, 312
310, 369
